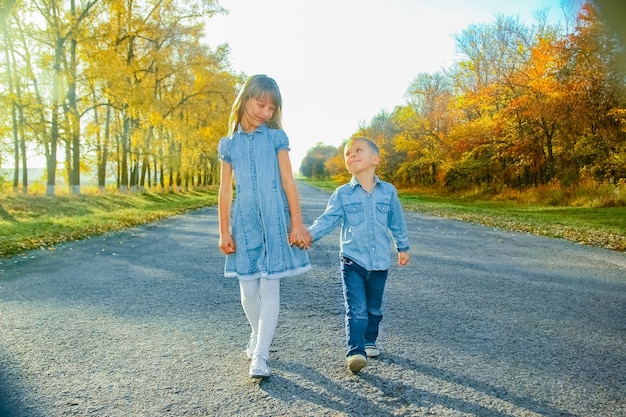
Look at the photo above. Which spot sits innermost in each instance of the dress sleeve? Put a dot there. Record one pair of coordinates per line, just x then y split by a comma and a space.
223, 150
281, 141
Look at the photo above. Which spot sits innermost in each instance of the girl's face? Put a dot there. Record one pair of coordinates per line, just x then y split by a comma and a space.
257, 111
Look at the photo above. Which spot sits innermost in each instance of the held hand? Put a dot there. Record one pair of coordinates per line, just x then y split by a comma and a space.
300, 237
227, 244
403, 258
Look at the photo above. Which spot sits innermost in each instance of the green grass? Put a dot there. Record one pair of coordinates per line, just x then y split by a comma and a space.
605, 226
597, 226
37, 222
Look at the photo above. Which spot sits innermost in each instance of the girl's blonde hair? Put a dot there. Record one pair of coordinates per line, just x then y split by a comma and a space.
257, 87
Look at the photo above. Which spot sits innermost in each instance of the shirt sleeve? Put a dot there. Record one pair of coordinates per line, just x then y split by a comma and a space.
223, 150
397, 224
332, 216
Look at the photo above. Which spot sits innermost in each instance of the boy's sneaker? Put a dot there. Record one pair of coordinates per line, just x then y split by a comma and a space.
356, 363
372, 351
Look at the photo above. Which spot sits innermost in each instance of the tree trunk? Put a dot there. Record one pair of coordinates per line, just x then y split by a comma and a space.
51, 159
102, 147
125, 155
73, 116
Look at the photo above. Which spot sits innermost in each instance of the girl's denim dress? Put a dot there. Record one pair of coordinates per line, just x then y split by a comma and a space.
260, 217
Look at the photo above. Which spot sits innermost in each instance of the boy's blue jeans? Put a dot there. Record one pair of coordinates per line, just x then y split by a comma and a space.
363, 295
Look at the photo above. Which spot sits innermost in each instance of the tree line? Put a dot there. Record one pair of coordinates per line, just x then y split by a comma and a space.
127, 84
129, 88
526, 105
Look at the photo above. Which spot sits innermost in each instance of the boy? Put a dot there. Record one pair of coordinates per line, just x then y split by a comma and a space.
371, 216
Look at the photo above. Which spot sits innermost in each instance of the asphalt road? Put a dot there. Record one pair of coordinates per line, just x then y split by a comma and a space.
483, 322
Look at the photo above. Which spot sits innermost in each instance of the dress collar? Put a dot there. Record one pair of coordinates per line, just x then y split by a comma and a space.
261, 128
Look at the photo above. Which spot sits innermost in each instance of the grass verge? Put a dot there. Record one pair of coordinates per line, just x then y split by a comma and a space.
37, 222
604, 227
597, 226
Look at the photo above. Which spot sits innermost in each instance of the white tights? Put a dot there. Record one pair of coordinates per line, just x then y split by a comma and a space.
260, 299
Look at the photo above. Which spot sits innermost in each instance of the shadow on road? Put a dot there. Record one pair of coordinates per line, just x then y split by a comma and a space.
395, 387
310, 386
13, 406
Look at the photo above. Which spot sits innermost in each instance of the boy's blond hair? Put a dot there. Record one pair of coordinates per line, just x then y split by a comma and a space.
369, 142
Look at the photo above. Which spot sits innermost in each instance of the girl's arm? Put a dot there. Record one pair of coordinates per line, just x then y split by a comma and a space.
298, 234
224, 201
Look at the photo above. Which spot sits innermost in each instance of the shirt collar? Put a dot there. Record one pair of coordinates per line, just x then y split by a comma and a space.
354, 182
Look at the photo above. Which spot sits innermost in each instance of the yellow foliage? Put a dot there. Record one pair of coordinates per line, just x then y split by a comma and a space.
620, 116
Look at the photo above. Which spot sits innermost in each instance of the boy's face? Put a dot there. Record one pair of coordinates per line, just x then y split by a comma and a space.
360, 157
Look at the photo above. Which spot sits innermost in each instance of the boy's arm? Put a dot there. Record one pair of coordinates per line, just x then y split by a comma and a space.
331, 217
397, 225
400, 234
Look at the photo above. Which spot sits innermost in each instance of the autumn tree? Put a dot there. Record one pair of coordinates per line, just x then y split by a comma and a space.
485, 86
382, 130
122, 83
526, 105
153, 72
423, 126
593, 78
64, 28
16, 97
12, 100
314, 163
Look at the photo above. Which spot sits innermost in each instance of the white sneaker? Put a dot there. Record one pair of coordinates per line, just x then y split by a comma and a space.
259, 368
372, 351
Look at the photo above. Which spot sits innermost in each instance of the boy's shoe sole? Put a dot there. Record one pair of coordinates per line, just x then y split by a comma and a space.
356, 363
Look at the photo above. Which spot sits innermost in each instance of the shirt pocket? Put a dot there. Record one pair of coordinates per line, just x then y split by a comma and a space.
354, 213
382, 212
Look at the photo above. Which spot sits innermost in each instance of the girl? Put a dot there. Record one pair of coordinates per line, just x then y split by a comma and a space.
257, 236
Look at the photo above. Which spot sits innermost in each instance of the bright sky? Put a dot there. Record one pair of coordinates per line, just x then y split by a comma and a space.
338, 63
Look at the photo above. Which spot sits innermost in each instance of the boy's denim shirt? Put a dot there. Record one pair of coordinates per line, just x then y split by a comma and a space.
369, 222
